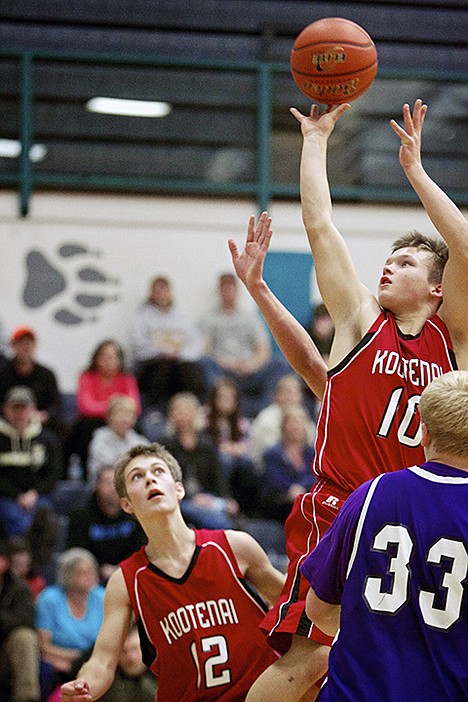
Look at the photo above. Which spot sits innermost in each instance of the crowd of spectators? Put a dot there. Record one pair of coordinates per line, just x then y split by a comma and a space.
231, 412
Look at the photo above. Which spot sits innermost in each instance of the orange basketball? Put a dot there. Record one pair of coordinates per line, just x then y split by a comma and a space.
333, 60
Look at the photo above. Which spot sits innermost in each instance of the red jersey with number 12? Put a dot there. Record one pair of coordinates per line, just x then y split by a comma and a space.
368, 422
199, 633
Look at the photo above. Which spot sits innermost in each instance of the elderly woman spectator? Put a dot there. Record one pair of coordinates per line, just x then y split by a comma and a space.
68, 616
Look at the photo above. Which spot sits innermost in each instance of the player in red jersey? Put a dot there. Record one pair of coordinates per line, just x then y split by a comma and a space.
189, 591
386, 349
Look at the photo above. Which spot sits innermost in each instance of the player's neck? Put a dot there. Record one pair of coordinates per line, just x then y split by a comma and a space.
411, 322
169, 541
448, 459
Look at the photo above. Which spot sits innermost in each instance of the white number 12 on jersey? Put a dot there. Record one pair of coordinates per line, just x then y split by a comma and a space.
221, 656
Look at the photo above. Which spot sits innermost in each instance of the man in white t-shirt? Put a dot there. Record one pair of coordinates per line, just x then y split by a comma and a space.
237, 345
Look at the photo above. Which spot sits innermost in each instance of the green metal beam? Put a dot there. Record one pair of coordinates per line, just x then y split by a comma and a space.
26, 131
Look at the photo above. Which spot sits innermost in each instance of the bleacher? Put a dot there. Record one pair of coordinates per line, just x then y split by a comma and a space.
224, 68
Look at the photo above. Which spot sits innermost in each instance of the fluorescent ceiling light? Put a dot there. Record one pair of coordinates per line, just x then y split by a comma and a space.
11, 148
132, 108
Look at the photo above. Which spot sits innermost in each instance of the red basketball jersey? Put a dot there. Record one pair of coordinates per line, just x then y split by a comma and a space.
199, 633
369, 422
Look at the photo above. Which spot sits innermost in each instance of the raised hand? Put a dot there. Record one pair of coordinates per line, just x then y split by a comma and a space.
317, 122
410, 150
249, 264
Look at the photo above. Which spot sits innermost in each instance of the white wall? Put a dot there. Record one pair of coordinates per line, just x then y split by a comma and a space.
129, 239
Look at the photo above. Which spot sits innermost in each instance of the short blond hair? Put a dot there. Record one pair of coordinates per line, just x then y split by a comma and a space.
156, 450
444, 410
118, 402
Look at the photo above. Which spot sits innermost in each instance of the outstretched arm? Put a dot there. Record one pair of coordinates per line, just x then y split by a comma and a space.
291, 337
343, 294
448, 220
96, 675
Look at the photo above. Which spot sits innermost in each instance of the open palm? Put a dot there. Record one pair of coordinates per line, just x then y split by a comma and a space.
249, 263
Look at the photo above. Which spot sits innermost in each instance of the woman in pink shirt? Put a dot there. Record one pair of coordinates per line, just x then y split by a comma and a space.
104, 377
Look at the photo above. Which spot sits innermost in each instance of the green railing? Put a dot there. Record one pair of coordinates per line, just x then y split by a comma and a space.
262, 189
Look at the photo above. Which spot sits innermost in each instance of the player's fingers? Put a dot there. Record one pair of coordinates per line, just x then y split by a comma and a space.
409, 126
251, 228
298, 115
337, 110
423, 114
313, 110
260, 225
417, 114
400, 132
233, 249
266, 232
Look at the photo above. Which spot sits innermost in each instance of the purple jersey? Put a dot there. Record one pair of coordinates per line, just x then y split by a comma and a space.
396, 558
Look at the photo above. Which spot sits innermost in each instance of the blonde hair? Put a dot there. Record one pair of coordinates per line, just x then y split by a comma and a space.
292, 412
155, 450
444, 410
118, 402
187, 398
288, 380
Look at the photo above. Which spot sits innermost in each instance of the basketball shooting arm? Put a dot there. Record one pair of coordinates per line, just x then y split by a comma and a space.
291, 337
351, 305
97, 674
450, 223
256, 566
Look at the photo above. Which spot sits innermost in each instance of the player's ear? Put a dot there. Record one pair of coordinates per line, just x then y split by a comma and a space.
180, 490
126, 505
437, 290
425, 436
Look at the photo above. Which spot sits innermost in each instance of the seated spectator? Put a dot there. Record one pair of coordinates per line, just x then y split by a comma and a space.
167, 348
265, 430
23, 369
103, 528
19, 650
133, 681
22, 566
230, 431
110, 442
104, 377
68, 616
30, 460
237, 345
207, 504
288, 465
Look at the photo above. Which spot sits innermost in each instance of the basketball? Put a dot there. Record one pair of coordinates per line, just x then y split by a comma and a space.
333, 60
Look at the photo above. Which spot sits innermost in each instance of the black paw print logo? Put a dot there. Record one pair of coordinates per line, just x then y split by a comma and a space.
83, 287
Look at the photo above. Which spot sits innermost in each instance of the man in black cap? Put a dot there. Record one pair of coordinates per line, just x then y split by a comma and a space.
30, 462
